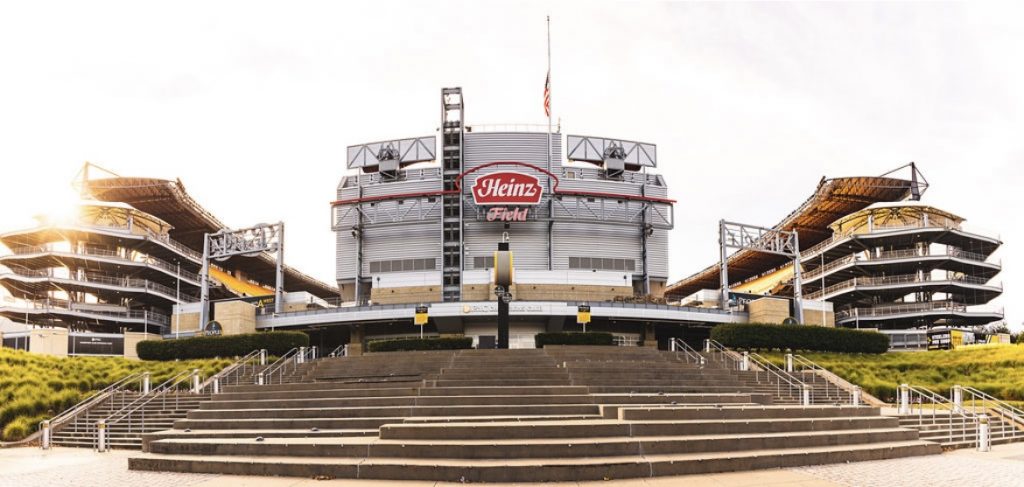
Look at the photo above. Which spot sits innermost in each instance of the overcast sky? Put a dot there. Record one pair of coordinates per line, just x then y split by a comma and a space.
251, 104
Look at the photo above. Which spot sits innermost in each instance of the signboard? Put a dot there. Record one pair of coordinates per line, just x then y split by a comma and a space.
583, 314
420, 318
95, 344
507, 188
213, 328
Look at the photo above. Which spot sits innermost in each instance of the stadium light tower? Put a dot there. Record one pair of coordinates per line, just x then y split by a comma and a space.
248, 242
760, 239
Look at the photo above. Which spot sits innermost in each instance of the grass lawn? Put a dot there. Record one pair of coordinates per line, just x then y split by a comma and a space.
36, 387
995, 369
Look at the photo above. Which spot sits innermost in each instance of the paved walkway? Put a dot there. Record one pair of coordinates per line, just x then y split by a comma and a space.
71, 467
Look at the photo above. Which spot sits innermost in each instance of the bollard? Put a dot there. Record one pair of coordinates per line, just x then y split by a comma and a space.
856, 395
216, 385
313, 354
702, 362
196, 385
958, 399
707, 345
301, 357
101, 436
259, 379
806, 400
745, 363
672, 345
789, 362
146, 384
263, 356
904, 396
45, 428
984, 438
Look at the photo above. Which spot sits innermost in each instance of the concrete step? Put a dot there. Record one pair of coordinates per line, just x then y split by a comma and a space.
371, 447
398, 411
746, 412
594, 428
361, 423
528, 470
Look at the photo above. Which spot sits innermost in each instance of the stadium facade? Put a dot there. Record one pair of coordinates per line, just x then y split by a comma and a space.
417, 222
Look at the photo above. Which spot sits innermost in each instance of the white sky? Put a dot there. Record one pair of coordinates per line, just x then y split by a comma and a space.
252, 104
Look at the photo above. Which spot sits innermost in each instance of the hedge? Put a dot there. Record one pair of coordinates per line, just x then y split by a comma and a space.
276, 343
406, 344
593, 338
756, 336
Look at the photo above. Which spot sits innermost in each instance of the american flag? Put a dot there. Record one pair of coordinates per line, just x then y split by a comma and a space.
547, 95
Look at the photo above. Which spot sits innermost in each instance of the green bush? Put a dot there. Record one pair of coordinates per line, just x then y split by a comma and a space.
275, 342
755, 336
592, 338
406, 344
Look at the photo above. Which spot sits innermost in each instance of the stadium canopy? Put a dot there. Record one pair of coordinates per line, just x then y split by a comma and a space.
833, 199
169, 201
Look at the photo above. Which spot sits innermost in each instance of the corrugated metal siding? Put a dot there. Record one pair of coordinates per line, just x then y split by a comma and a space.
345, 256
409, 241
657, 254
528, 242
605, 241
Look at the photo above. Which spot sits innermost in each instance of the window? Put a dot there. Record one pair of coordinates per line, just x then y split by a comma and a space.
402, 265
483, 262
602, 264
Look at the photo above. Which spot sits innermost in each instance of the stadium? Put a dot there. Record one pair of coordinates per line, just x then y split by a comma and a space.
417, 221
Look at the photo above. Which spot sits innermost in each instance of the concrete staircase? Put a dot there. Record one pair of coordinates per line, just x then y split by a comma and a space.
952, 432
554, 414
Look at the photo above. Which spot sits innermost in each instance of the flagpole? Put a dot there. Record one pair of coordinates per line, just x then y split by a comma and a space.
551, 204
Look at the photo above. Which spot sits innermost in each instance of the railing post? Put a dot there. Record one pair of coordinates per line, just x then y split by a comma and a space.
904, 406
301, 356
789, 362
45, 428
806, 399
707, 345
984, 436
146, 383
216, 385
101, 436
196, 385
745, 363
259, 379
856, 395
958, 399
312, 354
263, 356
672, 345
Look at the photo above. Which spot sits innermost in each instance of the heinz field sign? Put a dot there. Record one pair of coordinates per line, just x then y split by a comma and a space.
502, 189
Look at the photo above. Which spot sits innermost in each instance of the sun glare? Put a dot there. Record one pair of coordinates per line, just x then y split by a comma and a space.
58, 205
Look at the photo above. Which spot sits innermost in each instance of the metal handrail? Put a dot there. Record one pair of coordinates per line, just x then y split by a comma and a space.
235, 371
84, 405
827, 376
287, 363
897, 279
1007, 411
161, 392
770, 369
340, 351
958, 419
688, 353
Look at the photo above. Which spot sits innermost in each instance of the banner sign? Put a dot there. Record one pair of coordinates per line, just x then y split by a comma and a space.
507, 188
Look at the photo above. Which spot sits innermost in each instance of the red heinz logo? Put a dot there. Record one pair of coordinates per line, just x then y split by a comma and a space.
506, 188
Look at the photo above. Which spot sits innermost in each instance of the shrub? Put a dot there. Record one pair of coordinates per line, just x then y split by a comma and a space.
593, 338
275, 342
406, 344
754, 336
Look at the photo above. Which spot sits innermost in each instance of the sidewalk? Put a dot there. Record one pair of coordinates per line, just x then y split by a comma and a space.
71, 467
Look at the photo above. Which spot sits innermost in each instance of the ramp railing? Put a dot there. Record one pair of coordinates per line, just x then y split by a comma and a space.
932, 411
979, 402
786, 385
136, 423
286, 365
